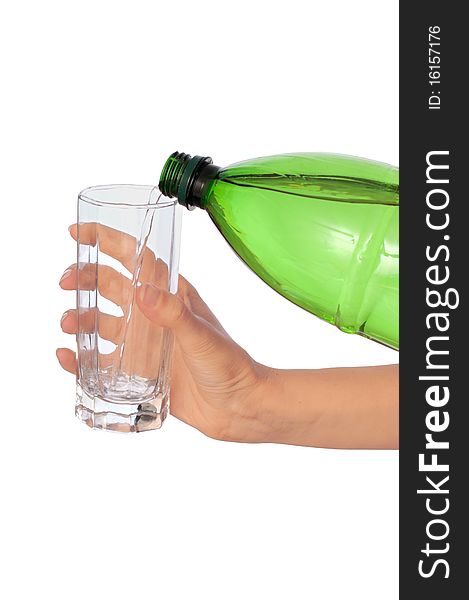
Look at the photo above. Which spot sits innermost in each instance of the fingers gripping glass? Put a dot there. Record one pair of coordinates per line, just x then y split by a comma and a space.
127, 235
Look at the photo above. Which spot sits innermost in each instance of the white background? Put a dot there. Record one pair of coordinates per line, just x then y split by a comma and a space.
101, 92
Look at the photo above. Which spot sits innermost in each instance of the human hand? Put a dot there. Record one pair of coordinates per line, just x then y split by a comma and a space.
215, 385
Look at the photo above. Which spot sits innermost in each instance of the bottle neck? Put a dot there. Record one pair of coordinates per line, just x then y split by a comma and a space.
187, 178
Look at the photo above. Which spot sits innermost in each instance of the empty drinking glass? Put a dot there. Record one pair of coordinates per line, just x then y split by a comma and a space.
128, 235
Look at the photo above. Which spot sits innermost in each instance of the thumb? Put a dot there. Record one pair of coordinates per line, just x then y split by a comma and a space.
194, 335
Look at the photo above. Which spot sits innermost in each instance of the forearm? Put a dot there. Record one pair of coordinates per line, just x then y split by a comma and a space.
330, 408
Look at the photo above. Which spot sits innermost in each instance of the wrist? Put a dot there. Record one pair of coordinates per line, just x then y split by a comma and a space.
276, 411
265, 405
354, 407
250, 417
289, 407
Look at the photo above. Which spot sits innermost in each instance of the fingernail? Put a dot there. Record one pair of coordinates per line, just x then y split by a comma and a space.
64, 316
149, 294
65, 275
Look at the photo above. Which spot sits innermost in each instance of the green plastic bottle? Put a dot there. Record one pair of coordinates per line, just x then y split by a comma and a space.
320, 229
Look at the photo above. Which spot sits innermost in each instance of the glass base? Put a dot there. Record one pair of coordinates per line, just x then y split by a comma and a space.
125, 417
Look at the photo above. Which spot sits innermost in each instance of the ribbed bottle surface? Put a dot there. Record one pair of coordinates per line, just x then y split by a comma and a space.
320, 229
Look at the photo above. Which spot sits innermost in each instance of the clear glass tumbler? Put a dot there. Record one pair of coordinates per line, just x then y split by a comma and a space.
127, 235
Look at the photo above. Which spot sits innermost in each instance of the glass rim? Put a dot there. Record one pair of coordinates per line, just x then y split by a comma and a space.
163, 201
